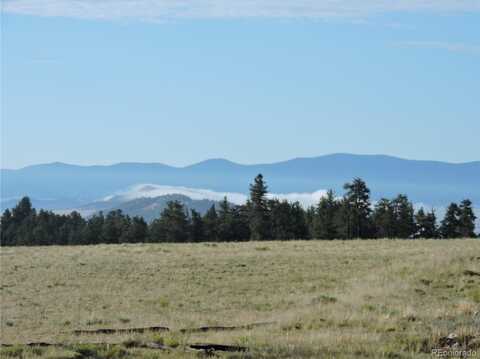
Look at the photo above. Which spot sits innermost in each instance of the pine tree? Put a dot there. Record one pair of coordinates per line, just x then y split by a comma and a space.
137, 231
384, 219
75, 224
172, 226
310, 219
287, 220
23, 222
45, 231
356, 210
404, 217
466, 219
241, 228
325, 221
210, 221
281, 219
114, 226
299, 223
197, 228
225, 222
450, 227
7, 230
426, 224
22, 210
259, 214
92, 232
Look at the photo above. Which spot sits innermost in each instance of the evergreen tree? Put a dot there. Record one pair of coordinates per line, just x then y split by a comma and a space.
325, 221
197, 228
384, 219
299, 225
137, 231
356, 210
23, 223
114, 227
45, 231
7, 230
259, 214
23, 210
310, 219
450, 226
93, 231
172, 226
225, 222
404, 214
281, 220
466, 219
210, 221
426, 224
240, 224
287, 220
74, 228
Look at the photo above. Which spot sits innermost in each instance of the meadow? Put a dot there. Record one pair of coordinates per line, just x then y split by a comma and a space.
310, 299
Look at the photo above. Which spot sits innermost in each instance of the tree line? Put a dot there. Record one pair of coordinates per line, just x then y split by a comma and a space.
351, 216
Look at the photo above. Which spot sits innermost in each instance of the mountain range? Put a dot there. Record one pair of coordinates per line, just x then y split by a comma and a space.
62, 186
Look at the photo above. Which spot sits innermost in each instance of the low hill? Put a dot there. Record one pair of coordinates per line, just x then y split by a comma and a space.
148, 208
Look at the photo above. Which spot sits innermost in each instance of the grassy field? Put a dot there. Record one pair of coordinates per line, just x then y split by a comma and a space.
339, 299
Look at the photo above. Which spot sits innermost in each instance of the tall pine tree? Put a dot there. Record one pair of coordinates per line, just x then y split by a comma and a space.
450, 226
210, 222
426, 224
241, 226
466, 219
259, 213
172, 226
325, 221
384, 219
225, 222
356, 210
197, 227
404, 214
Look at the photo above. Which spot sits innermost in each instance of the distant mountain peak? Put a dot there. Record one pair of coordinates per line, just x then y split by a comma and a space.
214, 163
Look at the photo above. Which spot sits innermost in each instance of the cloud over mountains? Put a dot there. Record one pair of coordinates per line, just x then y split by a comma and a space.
160, 10
152, 190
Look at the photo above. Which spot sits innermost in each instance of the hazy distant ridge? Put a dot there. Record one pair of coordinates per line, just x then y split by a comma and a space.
432, 182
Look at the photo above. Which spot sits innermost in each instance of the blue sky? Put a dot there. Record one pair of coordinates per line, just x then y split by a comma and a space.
99, 82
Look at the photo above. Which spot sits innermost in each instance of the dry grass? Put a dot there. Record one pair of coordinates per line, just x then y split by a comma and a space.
340, 299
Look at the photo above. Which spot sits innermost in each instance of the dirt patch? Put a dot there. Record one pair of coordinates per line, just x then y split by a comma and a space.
224, 328
218, 347
166, 329
121, 330
471, 273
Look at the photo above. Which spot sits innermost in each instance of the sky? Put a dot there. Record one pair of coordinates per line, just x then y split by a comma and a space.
256, 81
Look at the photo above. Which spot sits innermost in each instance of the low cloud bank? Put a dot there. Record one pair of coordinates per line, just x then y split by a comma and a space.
153, 190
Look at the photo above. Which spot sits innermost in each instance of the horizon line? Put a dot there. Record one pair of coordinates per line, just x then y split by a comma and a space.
233, 162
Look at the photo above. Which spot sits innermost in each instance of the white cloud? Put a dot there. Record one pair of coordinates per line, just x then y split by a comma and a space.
305, 199
159, 10
441, 45
152, 190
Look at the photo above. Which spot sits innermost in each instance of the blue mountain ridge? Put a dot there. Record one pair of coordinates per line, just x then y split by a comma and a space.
432, 182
